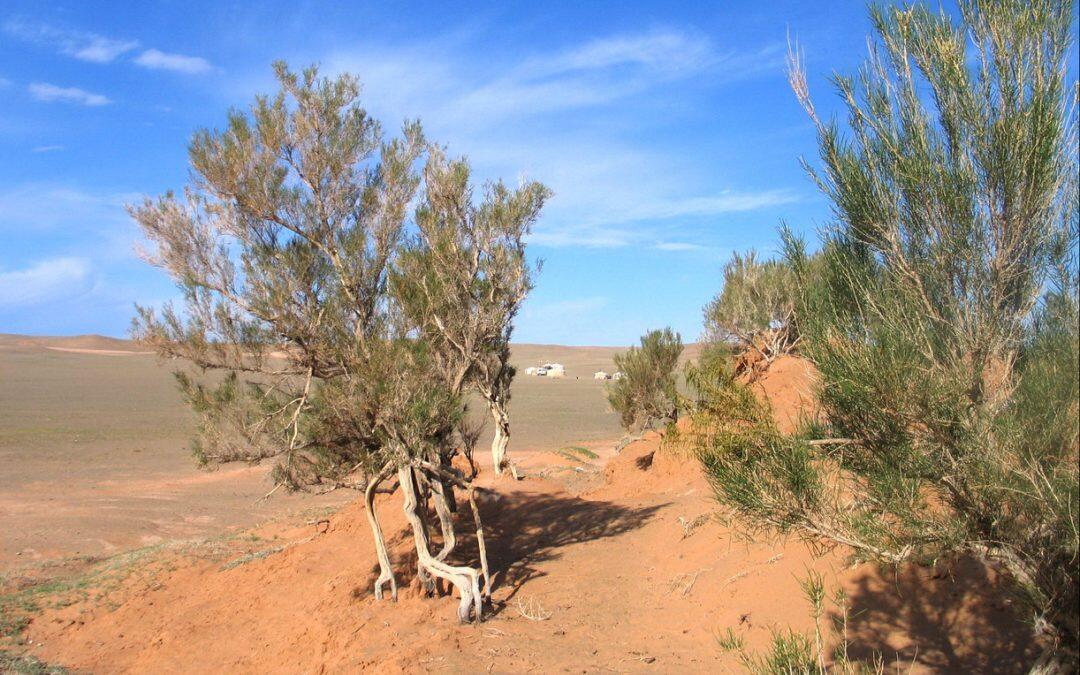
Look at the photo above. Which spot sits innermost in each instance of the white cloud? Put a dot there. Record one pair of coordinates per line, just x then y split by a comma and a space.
47, 148
45, 281
159, 60
678, 246
664, 50
78, 44
44, 207
598, 72
611, 185
102, 50
95, 48
51, 93
727, 202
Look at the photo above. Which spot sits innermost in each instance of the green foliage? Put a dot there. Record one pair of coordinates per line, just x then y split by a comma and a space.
790, 652
940, 313
646, 391
301, 286
11, 664
756, 307
579, 451
462, 278
461, 281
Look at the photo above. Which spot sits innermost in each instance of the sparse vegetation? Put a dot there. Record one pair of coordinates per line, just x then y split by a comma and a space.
11, 664
347, 294
944, 322
645, 394
578, 453
790, 652
462, 281
331, 329
755, 310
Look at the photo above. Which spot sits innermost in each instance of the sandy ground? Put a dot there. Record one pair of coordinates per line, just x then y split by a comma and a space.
94, 447
608, 580
609, 564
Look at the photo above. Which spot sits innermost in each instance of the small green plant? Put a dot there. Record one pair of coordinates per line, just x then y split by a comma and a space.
730, 641
790, 652
12, 664
578, 453
646, 394
249, 557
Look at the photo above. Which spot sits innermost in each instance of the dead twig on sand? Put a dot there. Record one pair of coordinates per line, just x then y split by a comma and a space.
532, 610
689, 526
684, 582
735, 577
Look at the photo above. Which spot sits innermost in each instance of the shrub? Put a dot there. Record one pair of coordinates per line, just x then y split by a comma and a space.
645, 393
755, 310
944, 318
284, 246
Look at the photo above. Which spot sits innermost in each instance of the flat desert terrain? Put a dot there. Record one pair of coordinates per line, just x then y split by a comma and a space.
602, 560
94, 452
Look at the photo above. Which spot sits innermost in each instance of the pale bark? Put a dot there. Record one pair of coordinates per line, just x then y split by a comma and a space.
499, 458
450, 479
443, 495
386, 570
427, 582
465, 579
480, 544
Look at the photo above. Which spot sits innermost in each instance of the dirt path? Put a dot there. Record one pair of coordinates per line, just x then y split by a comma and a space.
631, 575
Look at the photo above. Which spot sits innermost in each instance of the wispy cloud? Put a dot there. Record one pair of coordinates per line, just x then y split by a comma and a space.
44, 281
678, 246
594, 73
102, 50
729, 201
159, 60
78, 44
45, 207
95, 48
47, 148
537, 118
51, 93
668, 51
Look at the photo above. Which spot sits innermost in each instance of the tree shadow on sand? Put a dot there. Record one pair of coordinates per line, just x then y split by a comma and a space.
524, 529
957, 618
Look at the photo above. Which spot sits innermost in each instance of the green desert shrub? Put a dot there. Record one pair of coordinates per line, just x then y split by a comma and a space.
755, 310
347, 289
943, 318
645, 392
790, 652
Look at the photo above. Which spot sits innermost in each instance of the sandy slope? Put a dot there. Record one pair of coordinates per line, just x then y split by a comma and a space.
611, 579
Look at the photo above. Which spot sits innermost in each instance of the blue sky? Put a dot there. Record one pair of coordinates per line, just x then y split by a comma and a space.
666, 130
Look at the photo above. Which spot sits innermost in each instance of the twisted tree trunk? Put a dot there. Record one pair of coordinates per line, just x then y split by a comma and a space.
443, 495
386, 570
451, 478
465, 579
499, 458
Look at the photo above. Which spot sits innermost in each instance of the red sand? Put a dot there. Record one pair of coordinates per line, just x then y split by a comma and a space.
636, 575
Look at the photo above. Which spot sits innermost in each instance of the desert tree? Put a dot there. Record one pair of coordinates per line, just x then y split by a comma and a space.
464, 277
282, 246
944, 323
755, 309
645, 392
